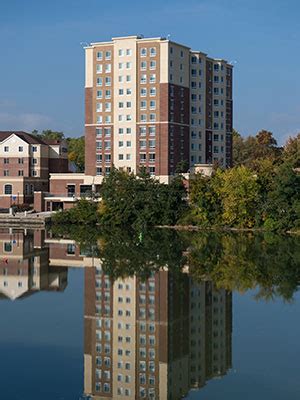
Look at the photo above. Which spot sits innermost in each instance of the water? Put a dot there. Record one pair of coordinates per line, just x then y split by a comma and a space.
164, 316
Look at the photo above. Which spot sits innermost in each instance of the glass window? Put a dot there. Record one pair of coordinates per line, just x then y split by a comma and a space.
8, 189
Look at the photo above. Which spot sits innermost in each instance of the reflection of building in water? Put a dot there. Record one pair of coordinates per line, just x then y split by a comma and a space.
24, 265
154, 339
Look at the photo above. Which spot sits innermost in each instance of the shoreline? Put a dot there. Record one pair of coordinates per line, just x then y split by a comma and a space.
194, 228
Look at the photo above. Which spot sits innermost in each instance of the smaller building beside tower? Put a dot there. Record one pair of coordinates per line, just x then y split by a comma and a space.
25, 164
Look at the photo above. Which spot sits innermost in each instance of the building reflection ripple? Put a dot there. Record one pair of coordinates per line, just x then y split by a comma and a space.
156, 338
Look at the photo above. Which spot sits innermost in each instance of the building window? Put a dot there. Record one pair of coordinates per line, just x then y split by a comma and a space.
99, 171
152, 78
99, 69
152, 52
6, 160
152, 117
152, 144
143, 52
143, 131
152, 130
99, 55
143, 144
99, 94
107, 81
98, 132
152, 157
152, 92
144, 78
8, 189
6, 172
152, 105
99, 81
143, 92
143, 65
108, 55
21, 149
6, 149
128, 52
152, 64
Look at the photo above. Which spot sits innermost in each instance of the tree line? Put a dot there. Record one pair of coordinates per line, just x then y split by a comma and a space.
260, 191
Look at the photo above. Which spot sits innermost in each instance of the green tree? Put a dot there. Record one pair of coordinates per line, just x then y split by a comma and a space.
247, 151
182, 166
291, 151
284, 200
206, 207
76, 152
140, 201
239, 192
49, 134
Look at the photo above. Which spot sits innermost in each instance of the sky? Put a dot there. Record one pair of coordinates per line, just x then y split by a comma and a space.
42, 59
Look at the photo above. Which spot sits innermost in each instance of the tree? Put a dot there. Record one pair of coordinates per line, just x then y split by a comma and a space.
76, 152
246, 151
266, 145
239, 192
291, 151
205, 201
49, 134
284, 200
182, 166
140, 201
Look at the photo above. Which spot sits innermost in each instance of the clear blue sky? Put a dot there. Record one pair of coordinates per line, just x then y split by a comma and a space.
42, 62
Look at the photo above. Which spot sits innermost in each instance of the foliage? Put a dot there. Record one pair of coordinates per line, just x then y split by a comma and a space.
247, 151
291, 151
131, 201
182, 166
76, 153
243, 262
239, 192
267, 263
49, 134
84, 212
284, 200
206, 206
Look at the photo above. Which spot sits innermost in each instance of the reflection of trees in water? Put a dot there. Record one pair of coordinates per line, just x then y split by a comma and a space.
234, 261
246, 261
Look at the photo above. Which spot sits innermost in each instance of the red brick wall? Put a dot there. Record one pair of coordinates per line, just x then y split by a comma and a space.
59, 186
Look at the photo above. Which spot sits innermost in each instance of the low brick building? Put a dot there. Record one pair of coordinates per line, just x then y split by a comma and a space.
25, 164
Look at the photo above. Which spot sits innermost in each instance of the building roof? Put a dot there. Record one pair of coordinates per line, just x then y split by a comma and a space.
27, 137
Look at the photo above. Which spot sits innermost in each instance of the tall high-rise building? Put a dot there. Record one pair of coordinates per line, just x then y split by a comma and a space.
154, 103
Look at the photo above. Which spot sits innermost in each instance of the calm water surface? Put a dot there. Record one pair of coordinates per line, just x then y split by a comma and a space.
82, 321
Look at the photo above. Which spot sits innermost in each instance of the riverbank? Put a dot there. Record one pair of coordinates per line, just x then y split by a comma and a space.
193, 228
